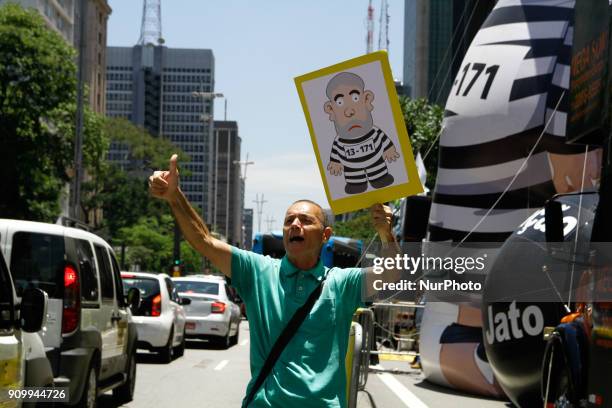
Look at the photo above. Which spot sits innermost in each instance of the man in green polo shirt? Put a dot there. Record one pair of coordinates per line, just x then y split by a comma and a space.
310, 371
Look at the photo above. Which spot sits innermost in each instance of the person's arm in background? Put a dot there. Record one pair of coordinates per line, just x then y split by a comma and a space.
567, 170
165, 185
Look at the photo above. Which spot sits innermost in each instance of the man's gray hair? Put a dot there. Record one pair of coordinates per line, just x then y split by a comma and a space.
344, 78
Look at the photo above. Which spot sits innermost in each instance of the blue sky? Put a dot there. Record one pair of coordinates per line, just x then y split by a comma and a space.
259, 47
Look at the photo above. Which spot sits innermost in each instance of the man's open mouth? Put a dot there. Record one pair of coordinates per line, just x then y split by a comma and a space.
296, 239
354, 126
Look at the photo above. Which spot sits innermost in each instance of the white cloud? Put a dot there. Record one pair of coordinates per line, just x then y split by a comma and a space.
283, 179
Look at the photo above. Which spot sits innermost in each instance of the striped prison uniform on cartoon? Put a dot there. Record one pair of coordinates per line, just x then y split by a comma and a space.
472, 174
362, 157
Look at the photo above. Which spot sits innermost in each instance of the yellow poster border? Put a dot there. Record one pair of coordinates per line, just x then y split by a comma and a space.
365, 200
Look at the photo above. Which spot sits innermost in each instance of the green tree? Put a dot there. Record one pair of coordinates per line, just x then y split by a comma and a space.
150, 245
96, 143
424, 122
359, 227
37, 86
150, 150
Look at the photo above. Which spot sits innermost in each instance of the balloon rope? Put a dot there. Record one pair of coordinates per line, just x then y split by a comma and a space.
516, 174
552, 353
569, 296
431, 146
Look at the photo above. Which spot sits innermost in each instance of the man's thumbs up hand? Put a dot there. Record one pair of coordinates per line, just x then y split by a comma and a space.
164, 184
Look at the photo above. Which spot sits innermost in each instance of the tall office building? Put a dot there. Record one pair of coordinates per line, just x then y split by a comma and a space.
227, 182
247, 222
153, 87
437, 34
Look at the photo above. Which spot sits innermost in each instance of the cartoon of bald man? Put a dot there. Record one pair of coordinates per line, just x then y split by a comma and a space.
360, 149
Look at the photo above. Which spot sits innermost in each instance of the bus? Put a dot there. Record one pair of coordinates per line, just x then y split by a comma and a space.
338, 251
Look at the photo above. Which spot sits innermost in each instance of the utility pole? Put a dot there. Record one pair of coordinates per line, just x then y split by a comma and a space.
260, 202
244, 164
78, 143
270, 222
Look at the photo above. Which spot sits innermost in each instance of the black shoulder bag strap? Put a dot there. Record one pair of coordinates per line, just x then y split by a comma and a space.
284, 338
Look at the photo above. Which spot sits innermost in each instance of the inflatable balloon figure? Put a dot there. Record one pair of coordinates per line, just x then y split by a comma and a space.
502, 155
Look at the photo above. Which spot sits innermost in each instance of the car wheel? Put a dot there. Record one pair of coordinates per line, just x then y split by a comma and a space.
234, 339
166, 353
180, 349
225, 342
125, 392
89, 398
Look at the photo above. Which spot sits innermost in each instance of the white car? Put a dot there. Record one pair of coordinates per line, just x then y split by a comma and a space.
160, 318
213, 314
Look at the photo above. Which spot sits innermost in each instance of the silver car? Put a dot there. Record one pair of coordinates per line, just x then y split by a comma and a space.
213, 314
160, 319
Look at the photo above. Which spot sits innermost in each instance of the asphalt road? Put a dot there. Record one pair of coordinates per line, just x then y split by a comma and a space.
207, 376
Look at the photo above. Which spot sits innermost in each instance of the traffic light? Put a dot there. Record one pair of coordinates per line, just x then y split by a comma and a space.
176, 268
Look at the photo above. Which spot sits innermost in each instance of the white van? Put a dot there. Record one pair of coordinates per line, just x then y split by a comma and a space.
89, 338
22, 361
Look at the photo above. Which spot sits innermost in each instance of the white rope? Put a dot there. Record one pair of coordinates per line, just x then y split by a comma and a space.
516, 174
571, 288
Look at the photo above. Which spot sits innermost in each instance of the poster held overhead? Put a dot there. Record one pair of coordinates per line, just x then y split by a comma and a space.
358, 133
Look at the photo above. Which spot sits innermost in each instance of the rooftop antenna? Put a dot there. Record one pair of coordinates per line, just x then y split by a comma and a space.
370, 28
151, 26
383, 26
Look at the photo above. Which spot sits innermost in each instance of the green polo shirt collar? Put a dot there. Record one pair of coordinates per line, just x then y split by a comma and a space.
288, 269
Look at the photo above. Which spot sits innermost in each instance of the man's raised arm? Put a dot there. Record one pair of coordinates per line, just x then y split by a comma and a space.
165, 185
382, 218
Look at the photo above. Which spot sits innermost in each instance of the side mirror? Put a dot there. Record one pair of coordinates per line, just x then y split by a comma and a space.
33, 310
185, 301
133, 299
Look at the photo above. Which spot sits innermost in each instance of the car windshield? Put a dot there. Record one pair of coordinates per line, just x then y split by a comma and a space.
198, 287
148, 287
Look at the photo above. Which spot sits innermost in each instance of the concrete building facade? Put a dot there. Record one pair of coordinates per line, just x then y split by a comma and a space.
153, 87
95, 24
227, 182
437, 34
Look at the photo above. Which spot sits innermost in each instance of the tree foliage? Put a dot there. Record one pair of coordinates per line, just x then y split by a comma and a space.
424, 122
148, 150
359, 227
150, 246
37, 86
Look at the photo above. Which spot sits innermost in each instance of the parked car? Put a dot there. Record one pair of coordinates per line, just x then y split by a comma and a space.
160, 319
23, 362
89, 338
213, 314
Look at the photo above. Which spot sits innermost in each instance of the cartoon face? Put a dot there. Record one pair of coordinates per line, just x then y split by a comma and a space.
349, 105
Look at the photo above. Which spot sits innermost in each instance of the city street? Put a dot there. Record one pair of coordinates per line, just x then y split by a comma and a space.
208, 377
